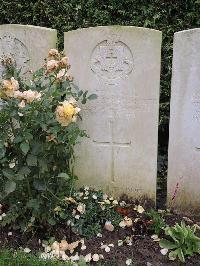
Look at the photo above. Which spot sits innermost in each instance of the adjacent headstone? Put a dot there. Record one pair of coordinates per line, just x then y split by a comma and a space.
27, 45
122, 66
184, 134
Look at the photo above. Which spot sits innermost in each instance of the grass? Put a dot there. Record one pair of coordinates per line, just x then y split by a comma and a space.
11, 258
19, 258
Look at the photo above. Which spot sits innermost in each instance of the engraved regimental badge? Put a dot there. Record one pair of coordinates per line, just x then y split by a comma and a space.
112, 60
11, 47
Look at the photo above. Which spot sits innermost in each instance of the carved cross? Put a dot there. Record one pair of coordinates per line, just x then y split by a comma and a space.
112, 144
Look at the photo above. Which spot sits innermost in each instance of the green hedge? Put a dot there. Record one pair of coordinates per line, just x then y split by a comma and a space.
168, 16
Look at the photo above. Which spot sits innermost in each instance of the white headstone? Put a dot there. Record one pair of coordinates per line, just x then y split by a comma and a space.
122, 66
184, 138
28, 45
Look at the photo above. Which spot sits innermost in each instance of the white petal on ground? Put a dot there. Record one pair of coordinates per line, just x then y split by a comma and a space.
155, 238
120, 243
55, 245
63, 245
107, 249
164, 251
128, 221
139, 209
122, 224
64, 257
108, 226
27, 250
122, 203
95, 257
83, 247
88, 257
128, 261
75, 257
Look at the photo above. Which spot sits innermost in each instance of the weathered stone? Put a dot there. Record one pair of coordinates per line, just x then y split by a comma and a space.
28, 45
184, 140
122, 66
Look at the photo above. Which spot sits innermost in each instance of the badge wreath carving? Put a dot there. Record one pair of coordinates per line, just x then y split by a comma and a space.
112, 60
13, 48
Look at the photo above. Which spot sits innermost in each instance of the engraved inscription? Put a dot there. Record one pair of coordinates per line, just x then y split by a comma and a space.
196, 106
112, 60
10, 46
196, 113
196, 118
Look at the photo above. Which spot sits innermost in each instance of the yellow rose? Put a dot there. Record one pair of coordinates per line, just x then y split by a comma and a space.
68, 109
67, 112
60, 74
10, 87
53, 52
64, 62
30, 95
57, 209
22, 104
51, 65
2, 94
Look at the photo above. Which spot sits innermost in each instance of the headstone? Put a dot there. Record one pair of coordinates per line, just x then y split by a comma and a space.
184, 138
122, 66
27, 45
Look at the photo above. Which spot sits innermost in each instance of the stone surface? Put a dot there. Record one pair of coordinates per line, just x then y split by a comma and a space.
122, 66
28, 45
184, 140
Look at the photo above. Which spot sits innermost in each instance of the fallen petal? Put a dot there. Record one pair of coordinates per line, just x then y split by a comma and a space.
128, 261
120, 243
63, 245
164, 251
139, 209
108, 226
122, 224
107, 249
88, 257
27, 250
154, 237
95, 257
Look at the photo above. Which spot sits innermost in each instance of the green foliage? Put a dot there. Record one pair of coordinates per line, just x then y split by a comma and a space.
184, 241
37, 141
13, 258
158, 222
64, 15
86, 212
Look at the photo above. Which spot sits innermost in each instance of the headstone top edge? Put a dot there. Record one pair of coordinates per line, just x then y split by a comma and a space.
28, 27
115, 27
186, 31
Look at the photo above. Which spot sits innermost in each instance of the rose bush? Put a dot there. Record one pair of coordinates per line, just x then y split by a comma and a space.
37, 137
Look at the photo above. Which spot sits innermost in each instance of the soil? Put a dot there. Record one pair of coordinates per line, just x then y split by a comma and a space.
143, 251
